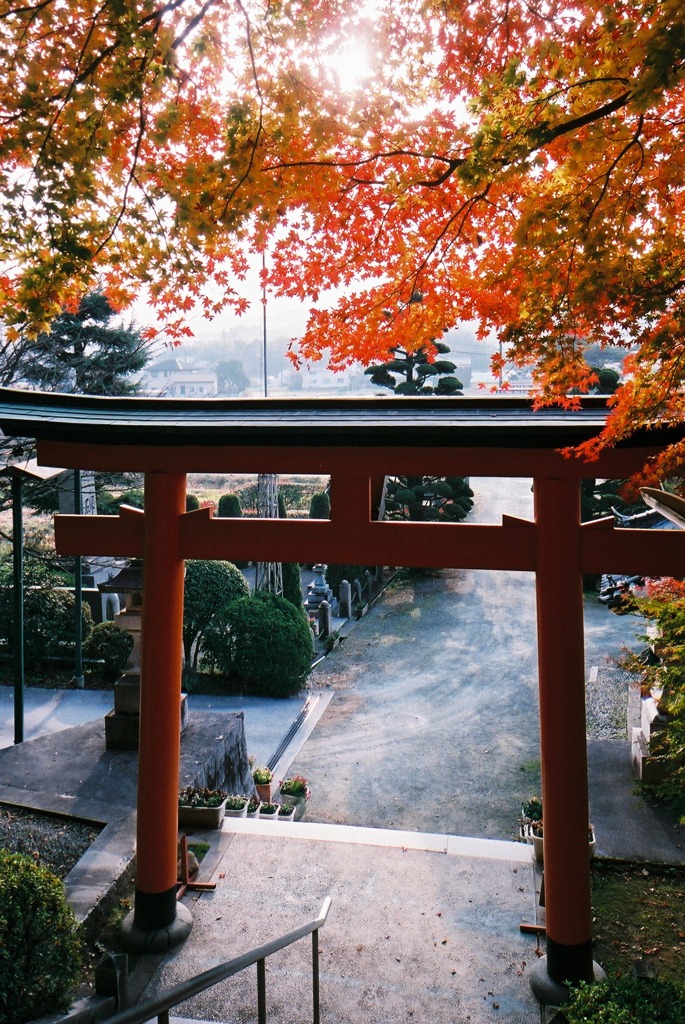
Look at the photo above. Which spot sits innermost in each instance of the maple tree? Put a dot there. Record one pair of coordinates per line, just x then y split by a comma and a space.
516, 163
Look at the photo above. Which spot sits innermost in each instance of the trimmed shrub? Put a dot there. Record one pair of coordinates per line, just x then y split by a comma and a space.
40, 952
626, 1001
320, 506
49, 618
229, 506
111, 644
209, 587
192, 503
263, 643
292, 583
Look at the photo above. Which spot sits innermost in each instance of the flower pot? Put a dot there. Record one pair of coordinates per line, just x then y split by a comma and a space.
255, 813
289, 816
201, 817
299, 804
268, 817
265, 791
231, 812
538, 848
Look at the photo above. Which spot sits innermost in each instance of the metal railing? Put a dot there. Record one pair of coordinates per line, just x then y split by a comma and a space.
160, 1005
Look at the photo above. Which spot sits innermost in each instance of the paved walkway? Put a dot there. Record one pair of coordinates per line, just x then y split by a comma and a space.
49, 711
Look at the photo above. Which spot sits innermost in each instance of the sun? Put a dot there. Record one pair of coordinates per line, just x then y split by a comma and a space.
350, 66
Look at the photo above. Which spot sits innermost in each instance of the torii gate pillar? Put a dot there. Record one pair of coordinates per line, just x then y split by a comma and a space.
563, 743
158, 921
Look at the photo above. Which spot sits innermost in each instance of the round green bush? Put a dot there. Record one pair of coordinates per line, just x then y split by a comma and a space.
192, 503
229, 506
627, 1001
263, 643
209, 587
111, 644
40, 952
320, 506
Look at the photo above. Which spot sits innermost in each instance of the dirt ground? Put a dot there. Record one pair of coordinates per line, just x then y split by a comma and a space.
434, 723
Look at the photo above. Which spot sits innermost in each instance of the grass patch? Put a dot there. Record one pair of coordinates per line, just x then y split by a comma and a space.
199, 849
639, 914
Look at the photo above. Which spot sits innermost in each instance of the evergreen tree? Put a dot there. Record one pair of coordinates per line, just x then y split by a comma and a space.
428, 498
230, 506
415, 369
231, 377
90, 352
320, 506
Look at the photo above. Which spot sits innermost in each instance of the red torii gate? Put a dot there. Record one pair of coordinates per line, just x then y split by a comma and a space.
357, 443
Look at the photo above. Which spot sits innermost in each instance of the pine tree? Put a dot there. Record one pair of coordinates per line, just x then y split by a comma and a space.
89, 352
415, 368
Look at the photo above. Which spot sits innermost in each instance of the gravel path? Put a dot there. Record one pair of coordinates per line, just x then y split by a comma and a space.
435, 721
54, 842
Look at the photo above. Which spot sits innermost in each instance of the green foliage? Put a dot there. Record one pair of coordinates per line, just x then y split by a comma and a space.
264, 643
111, 644
108, 504
428, 498
192, 503
607, 380
320, 506
49, 616
40, 952
229, 506
90, 352
666, 610
626, 1001
335, 574
600, 498
292, 583
209, 587
414, 370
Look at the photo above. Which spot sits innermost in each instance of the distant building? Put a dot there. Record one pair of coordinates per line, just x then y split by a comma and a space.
169, 378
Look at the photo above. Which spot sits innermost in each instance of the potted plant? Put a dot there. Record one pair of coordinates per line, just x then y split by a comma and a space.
236, 807
201, 807
253, 808
531, 809
263, 779
332, 641
297, 792
269, 810
535, 832
286, 812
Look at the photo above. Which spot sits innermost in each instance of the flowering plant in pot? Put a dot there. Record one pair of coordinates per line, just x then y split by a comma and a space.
269, 810
286, 812
263, 779
236, 806
253, 808
297, 792
201, 807
295, 786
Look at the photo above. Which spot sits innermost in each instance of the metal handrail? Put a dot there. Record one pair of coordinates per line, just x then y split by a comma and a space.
160, 1005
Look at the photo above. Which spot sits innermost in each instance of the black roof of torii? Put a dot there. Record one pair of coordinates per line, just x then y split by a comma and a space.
488, 421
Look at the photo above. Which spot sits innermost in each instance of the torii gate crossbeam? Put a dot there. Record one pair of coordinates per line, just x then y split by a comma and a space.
556, 547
